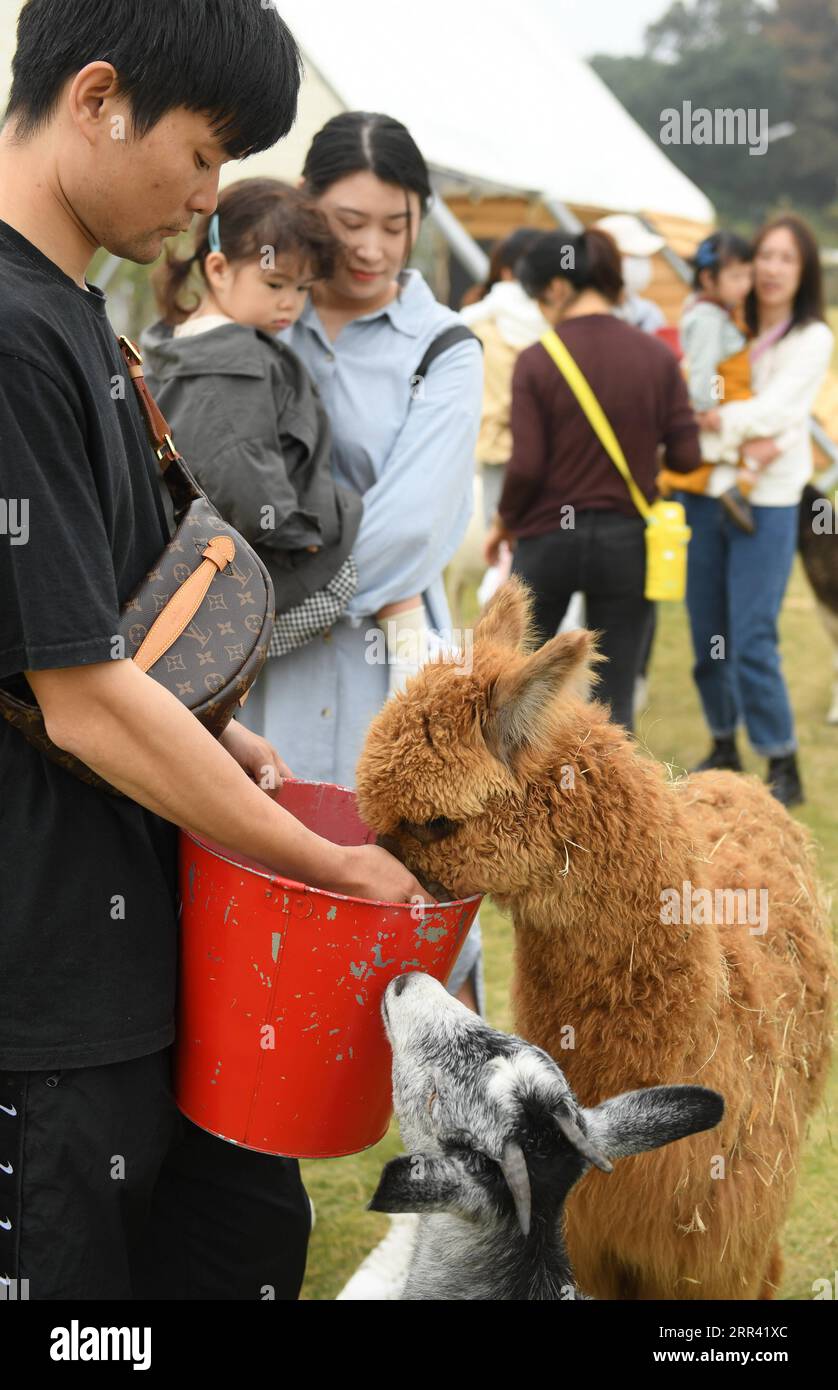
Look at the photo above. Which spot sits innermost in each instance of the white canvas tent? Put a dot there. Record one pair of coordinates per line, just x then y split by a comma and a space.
494, 98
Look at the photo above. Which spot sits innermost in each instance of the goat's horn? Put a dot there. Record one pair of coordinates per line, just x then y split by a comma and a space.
513, 1165
582, 1144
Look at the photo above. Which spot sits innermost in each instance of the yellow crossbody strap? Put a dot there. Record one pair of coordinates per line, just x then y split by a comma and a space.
596, 415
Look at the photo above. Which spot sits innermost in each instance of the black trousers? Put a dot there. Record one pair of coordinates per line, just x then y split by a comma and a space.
603, 557
108, 1192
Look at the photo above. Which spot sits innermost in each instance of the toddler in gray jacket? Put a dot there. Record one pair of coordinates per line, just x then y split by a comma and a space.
244, 411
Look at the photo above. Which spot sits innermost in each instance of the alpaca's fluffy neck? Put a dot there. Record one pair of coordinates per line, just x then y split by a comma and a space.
456, 1258
617, 830
592, 939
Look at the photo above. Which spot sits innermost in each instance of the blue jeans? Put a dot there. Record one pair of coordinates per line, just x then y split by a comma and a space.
735, 588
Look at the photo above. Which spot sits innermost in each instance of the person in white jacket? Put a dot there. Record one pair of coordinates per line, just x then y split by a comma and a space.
736, 581
506, 321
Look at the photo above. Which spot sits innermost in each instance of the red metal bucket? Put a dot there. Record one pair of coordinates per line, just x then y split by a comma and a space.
280, 1043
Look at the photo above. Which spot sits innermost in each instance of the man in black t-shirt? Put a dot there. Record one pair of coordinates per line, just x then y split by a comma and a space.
118, 153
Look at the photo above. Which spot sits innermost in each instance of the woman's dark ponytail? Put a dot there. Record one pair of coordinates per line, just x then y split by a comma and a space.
603, 268
588, 260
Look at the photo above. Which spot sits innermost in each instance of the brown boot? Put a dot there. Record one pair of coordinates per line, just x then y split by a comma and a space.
739, 510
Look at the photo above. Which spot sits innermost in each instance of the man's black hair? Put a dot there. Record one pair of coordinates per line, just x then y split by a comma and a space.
234, 60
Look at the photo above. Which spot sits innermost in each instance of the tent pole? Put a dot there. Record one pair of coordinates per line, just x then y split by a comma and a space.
567, 220
471, 256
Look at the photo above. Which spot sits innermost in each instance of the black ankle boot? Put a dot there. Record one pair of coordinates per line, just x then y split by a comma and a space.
723, 756
784, 780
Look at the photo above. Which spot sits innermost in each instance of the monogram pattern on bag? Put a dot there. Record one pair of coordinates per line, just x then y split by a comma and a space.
201, 658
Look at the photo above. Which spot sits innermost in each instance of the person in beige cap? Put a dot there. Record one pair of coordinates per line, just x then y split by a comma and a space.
637, 245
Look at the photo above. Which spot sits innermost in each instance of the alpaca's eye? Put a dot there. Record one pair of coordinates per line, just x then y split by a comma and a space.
431, 830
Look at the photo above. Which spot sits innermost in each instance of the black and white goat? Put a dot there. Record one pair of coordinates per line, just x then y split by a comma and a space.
495, 1140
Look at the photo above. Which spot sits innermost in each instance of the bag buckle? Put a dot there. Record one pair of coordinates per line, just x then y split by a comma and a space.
133, 349
168, 443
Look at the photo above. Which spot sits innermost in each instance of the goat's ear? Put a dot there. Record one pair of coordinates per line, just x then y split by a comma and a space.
521, 695
506, 617
421, 1183
648, 1119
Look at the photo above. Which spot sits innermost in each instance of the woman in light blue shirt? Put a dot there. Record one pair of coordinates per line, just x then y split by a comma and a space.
407, 445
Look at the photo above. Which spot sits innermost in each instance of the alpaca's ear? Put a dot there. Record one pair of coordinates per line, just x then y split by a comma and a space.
522, 695
422, 1183
648, 1119
506, 617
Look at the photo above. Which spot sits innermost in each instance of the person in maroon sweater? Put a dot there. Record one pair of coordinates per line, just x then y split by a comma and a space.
564, 506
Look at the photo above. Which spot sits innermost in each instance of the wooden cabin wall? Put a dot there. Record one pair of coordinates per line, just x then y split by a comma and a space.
489, 219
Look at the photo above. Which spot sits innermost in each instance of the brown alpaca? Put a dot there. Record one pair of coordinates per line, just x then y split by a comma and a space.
502, 780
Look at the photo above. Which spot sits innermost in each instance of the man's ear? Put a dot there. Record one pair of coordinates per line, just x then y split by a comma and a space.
640, 1120
506, 617
421, 1183
522, 694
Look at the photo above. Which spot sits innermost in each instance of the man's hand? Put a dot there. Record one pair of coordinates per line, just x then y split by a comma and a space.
142, 740
371, 872
259, 758
496, 534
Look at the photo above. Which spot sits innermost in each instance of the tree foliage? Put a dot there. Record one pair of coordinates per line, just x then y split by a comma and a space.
729, 54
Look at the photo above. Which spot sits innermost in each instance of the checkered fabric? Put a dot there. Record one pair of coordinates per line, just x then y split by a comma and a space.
299, 625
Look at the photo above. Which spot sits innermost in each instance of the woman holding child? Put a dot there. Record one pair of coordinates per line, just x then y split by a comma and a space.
358, 488
745, 525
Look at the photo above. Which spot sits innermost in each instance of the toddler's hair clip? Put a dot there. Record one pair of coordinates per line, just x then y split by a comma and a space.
214, 233
705, 255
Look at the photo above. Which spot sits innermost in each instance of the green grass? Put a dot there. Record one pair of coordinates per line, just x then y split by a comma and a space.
673, 730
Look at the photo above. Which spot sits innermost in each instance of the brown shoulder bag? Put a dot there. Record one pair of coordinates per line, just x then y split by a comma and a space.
200, 622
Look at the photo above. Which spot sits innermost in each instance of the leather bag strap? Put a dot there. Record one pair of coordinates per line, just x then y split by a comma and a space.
182, 607
171, 462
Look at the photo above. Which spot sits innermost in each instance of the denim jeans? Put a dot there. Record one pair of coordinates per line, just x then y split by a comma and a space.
603, 557
735, 588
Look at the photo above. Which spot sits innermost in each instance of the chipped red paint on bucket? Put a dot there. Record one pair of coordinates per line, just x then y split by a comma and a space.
266, 960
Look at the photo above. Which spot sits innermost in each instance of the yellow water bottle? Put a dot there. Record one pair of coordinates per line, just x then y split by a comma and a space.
667, 535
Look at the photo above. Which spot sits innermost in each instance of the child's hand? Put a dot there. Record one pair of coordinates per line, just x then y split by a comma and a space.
761, 451
402, 605
709, 420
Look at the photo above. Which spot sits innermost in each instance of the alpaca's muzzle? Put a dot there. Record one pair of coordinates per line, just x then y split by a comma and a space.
431, 886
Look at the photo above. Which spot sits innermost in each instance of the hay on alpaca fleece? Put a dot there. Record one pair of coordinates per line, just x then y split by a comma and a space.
529, 792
